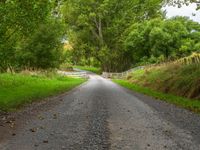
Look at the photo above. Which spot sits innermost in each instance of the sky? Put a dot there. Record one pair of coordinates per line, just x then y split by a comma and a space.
183, 11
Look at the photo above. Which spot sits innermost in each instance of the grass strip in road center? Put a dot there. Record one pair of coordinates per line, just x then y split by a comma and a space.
190, 104
17, 89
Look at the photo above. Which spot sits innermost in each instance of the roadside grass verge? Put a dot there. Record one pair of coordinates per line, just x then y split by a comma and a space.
18, 89
176, 79
190, 104
89, 68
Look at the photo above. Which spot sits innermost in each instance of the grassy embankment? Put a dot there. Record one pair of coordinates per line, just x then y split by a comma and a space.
89, 68
176, 83
17, 90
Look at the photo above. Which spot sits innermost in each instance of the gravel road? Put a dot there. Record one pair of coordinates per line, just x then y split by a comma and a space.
100, 115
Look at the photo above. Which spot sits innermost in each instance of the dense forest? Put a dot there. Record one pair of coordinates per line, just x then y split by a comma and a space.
112, 34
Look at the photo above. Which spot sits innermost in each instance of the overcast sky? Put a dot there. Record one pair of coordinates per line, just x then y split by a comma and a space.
184, 11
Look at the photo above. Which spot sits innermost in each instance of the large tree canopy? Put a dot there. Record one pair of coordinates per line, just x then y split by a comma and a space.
112, 34
164, 39
119, 34
96, 27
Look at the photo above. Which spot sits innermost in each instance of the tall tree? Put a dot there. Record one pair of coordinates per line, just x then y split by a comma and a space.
167, 39
99, 26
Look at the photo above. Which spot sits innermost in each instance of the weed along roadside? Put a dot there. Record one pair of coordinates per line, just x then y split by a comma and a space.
18, 89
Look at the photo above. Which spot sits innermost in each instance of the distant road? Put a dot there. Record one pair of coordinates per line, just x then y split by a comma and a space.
100, 115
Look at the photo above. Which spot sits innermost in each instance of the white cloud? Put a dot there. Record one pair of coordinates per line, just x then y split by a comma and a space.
188, 11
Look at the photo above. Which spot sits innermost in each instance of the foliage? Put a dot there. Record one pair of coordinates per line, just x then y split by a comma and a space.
157, 40
179, 3
112, 34
66, 67
44, 49
19, 22
17, 90
121, 34
95, 28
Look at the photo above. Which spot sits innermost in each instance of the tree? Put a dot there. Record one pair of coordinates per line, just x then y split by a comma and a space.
171, 38
138, 40
18, 22
167, 39
101, 24
179, 3
44, 49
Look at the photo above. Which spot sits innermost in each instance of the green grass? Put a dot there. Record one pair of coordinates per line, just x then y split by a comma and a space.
17, 90
176, 79
193, 105
89, 68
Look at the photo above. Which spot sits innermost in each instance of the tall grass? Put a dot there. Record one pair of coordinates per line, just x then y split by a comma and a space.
192, 59
177, 79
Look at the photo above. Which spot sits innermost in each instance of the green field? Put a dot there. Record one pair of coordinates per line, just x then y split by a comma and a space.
89, 68
193, 105
17, 90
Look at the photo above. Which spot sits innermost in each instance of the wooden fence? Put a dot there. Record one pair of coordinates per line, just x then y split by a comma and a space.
74, 74
120, 75
192, 59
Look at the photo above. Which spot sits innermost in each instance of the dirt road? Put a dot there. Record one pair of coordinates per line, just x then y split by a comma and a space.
100, 115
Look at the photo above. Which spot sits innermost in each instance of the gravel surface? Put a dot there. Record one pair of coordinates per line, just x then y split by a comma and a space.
100, 115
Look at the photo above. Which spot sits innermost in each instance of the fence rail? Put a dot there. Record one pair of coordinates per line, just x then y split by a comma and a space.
120, 75
74, 74
192, 59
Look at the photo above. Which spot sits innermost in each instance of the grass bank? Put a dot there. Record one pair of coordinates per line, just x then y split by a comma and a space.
89, 68
175, 82
17, 90
193, 105
176, 79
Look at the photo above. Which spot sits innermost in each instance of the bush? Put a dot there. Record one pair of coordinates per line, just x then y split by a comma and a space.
44, 49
